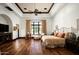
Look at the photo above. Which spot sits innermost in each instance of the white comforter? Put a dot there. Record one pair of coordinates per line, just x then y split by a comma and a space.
49, 40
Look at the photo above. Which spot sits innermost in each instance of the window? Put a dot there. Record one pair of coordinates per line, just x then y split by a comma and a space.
36, 28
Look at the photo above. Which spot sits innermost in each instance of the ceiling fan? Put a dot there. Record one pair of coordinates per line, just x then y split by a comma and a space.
36, 11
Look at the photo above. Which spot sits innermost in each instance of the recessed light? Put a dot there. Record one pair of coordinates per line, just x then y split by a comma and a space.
25, 8
45, 8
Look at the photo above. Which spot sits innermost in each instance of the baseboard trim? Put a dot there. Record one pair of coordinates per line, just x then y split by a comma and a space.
21, 38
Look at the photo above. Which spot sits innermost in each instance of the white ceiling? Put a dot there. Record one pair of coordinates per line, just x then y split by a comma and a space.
55, 9
32, 6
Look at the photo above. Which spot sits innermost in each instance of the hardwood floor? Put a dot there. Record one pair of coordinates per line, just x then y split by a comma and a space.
30, 47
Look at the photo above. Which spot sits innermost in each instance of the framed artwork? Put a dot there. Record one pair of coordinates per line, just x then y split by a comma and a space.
14, 28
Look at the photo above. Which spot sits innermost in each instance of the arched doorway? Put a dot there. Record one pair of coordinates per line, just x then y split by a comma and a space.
4, 19
6, 28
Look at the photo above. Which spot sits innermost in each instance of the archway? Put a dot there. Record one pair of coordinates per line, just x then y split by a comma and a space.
4, 19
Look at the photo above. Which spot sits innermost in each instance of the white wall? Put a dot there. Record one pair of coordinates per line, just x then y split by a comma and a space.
2, 20
66, 16
13, 16
49, 25
22, 27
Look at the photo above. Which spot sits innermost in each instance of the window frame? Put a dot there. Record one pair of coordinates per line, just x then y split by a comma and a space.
38, 26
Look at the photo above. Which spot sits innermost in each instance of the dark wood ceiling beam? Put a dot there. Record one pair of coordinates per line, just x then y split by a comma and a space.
34, 12
19, 7
50, 7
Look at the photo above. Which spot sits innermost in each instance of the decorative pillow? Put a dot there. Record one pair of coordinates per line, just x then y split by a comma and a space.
61, 34
58, 34
55, 33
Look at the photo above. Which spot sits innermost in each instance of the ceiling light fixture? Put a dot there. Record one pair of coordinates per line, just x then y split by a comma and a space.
36, 10
25, 8
45, 8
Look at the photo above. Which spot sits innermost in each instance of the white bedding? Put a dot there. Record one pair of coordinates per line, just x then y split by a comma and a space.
49, 40
46, 37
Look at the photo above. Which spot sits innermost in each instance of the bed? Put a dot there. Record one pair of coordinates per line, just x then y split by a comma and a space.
52, 41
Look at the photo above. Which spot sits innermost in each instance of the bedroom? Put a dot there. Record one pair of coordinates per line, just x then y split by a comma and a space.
28, 24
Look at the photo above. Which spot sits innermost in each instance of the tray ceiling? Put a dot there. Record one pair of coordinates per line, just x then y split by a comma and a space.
35, 7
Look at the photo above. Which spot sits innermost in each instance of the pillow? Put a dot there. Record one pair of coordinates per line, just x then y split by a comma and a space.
55, 33
58, 35
61, 34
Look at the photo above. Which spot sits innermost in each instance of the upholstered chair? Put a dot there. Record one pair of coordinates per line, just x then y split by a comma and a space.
71, 41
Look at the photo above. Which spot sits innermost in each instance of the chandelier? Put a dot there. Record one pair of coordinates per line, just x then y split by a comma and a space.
36, 10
